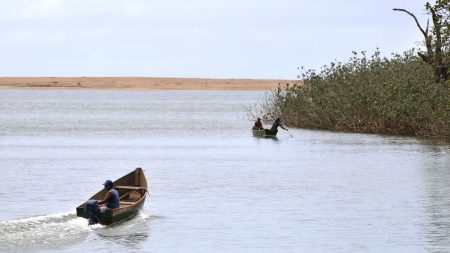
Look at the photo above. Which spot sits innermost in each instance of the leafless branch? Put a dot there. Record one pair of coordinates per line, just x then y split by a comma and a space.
425, 33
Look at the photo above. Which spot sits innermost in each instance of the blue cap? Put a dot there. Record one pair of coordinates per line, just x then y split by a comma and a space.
108, 182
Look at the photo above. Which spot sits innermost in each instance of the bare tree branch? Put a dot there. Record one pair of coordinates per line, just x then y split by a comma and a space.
429, 57
425, 33
436, 40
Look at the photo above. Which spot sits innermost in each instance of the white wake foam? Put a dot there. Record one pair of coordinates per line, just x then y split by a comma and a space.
42, 231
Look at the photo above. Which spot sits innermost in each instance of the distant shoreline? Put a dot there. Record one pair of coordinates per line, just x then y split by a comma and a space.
136, 83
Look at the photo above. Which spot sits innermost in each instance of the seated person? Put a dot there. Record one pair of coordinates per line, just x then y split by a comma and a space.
111, 199
258, 125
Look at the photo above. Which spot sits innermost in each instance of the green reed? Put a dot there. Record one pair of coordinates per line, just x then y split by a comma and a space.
368, 94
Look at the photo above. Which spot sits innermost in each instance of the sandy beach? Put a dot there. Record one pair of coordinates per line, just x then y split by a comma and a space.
137, 83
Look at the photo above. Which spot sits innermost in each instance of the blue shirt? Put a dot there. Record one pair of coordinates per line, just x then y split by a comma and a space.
113, 201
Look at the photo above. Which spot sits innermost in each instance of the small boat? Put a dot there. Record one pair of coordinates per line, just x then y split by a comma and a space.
132, 190
262, 133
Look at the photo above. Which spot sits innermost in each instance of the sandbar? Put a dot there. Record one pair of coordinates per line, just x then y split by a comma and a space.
138, 83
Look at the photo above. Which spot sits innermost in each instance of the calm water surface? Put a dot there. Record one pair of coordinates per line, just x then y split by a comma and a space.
213, 187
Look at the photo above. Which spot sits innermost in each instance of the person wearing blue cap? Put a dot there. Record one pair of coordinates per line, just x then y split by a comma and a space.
111, 199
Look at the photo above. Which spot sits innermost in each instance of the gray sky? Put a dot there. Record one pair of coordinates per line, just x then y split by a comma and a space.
196, 38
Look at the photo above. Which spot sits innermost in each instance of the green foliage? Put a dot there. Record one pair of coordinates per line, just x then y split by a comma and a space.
375, 94
440, 34
442, 8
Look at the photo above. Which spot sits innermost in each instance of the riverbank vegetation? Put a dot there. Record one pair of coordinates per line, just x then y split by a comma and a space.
404, 94
394, 95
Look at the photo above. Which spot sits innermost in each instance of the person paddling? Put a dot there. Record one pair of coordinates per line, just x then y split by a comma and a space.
274, 129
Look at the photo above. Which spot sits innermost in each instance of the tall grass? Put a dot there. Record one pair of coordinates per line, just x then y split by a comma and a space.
369, 94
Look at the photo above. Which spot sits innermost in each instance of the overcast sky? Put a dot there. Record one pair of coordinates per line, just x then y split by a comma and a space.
195, 38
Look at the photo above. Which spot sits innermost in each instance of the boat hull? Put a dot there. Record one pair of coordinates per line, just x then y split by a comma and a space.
262, 133
111, 216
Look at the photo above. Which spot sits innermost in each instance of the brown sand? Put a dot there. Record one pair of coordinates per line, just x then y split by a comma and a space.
137, 83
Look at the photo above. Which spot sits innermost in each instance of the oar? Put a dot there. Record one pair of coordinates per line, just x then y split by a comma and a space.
285, 128
288, 131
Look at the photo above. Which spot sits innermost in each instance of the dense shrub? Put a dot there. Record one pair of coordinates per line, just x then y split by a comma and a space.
396, 95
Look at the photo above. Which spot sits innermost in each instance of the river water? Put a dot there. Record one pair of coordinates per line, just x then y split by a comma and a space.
213, 187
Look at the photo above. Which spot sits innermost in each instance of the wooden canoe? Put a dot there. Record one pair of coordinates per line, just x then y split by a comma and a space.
262, 133
132, 190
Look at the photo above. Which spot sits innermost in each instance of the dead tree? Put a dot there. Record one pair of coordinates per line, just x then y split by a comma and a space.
437, 41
